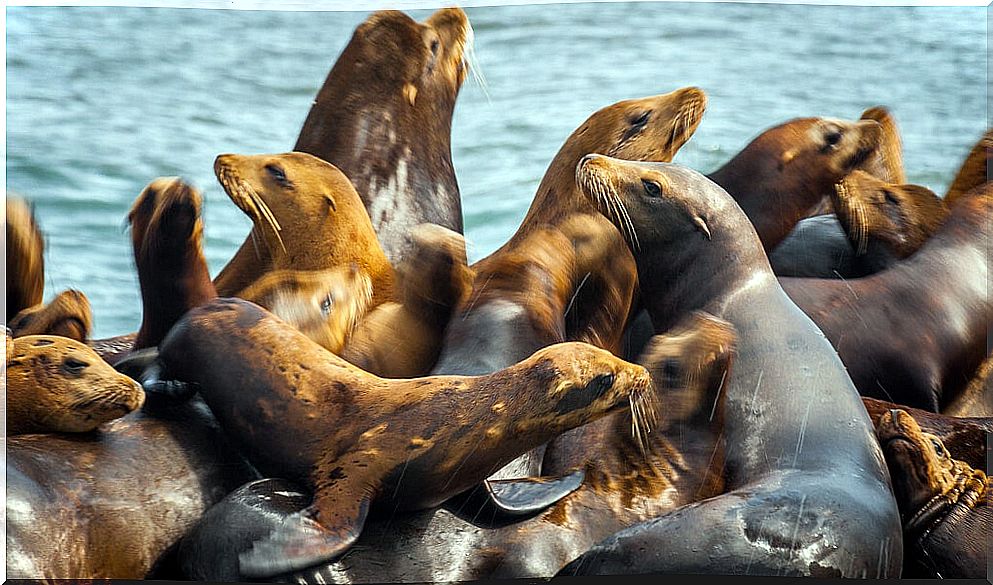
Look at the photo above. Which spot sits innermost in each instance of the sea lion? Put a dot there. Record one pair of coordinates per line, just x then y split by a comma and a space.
975, 169
111, 503
789, 171
944, 503
964, 437
25, 257
382, 450
876, 224
324, 305
384, 117
625, 481
56, 384
886, 163
308, 216
402, 339
67, 315
806, 488
924, 354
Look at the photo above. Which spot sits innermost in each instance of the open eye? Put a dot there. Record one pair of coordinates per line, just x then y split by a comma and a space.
435, 45
652, 189
326, 305
672, 372
890, 198
277, 174
939, 450
831, 140
74, 366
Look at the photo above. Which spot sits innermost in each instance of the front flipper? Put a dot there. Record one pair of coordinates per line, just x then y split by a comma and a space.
161, 390
511, 500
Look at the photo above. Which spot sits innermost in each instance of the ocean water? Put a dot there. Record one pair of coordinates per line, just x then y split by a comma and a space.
101, 100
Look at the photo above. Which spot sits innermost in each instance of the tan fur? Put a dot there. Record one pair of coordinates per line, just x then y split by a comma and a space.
67, 315
314, 221
55, 384
25, 257
886, 163
974, 170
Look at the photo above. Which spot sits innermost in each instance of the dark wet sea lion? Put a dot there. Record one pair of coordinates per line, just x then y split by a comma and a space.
790, 170
402, 339
25, 257
915, 333
308, 216
975, 169
624, 482
67, 315
111, 503
965, 438
944, 503
876, 224
384, 117
395, 444
56, 384
324, 305
807, 491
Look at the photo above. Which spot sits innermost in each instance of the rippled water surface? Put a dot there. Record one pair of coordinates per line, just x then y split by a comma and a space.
102, 100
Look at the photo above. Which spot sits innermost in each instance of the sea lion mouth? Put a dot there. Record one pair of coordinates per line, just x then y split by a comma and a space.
597, 184
248, 199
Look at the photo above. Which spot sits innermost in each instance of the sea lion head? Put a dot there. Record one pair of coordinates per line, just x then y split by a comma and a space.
900, 217
25, 256
56, 384
921, 468
165, 222
67, 315
690, 363
887, 162
582, 383
324, 305
974, 170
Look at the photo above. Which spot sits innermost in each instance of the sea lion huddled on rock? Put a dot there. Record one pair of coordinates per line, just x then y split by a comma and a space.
384, 117
628, 477
924, 354
944, 503
254, 372
324, 305
307, 215
67, 315
55, 384
402, 339
25, 257
792, 418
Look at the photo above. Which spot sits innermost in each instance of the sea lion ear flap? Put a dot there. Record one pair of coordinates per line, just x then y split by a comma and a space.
787, 157
331, 203
701, 225
410, 92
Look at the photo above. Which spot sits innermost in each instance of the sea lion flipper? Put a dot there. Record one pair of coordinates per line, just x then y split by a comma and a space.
515, 498
314, 535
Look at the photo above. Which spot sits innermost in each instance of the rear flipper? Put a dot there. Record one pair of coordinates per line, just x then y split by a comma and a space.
502, 501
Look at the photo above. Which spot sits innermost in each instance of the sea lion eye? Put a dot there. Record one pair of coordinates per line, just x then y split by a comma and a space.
326, 304
672, 371
652, 189
890, 198
74, 366
832, 139
642, 119
277, 174
435, 45
601, 383
939, 450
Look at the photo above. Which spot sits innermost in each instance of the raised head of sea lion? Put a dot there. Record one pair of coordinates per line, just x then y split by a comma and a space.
396, 444
308, 217
792, 418
25, 257
384, 117
944, 503
789, 170
886, 221
975, 169
402, 339
167, 237
67, 315
56, 384
926, 355
324, 305
886, 164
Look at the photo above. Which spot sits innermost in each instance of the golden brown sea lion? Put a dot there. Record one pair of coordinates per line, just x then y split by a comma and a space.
944, 503
390, 444
324, 305
384, 117
67, 315
886, 164
25, 257
306, 214
975, 169
55, 384
402, 339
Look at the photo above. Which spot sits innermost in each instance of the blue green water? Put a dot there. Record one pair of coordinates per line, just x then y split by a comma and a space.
100, 101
